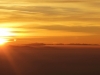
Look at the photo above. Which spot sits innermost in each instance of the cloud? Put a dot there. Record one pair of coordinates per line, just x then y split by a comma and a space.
33, 9
86, 29
50, 10
57, 1
54, 12
95, 4
48, 13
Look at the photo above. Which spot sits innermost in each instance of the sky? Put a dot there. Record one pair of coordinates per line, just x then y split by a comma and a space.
52, 21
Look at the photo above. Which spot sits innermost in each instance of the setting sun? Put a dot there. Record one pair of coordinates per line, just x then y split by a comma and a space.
2, 41
5, 33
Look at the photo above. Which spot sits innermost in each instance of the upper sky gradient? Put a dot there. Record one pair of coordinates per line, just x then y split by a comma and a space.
59, 18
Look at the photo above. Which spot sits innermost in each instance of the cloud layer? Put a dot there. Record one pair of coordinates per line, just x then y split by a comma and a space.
86, 29
59, 15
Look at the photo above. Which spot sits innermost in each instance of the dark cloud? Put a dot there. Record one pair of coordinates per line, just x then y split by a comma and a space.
86, 29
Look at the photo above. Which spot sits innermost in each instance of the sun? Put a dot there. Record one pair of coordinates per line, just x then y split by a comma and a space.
5, 33
3, 41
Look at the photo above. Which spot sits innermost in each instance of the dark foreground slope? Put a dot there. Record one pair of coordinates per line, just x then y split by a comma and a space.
45, 60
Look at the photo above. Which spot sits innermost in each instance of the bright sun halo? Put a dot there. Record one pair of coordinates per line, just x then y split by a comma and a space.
2, 41
4, 32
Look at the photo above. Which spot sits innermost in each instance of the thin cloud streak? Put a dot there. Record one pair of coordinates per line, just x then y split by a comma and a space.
86, 29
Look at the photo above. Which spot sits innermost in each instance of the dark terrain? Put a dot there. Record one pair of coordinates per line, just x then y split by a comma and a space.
49, 60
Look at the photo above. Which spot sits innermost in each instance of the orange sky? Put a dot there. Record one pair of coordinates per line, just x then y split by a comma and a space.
52, 21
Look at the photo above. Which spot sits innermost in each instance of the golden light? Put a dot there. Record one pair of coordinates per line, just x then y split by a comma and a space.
3, 41
5, 32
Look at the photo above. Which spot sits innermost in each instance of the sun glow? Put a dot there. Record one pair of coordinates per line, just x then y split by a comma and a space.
3, 41
5, 33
